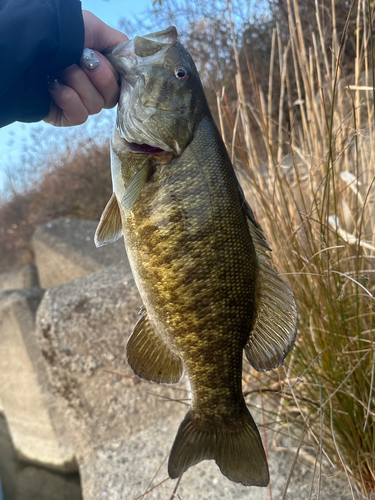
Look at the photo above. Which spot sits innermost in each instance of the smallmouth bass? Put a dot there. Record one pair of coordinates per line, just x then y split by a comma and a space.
198, 256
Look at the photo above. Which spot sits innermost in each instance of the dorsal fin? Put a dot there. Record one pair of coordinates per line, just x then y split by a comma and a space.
109, 228
275, 329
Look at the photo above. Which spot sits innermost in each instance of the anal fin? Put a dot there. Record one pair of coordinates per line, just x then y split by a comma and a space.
149, 357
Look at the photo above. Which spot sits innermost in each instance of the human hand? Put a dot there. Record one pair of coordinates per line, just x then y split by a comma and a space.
80, 92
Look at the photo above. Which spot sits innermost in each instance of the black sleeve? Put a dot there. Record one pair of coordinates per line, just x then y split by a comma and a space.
37, 38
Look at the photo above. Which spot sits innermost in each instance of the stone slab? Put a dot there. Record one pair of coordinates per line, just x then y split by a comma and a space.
25, 277
29, 414
65, 250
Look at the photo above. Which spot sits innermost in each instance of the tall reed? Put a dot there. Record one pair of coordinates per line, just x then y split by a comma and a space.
311, 182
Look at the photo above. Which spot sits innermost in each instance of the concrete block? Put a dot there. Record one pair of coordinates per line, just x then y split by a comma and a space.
32, 419
65, 250
21, 481
25, 277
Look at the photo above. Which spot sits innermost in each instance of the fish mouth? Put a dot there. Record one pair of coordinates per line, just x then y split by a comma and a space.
144, 148
131, 52
161, 156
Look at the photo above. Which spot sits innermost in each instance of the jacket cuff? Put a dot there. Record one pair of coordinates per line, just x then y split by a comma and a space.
28, 100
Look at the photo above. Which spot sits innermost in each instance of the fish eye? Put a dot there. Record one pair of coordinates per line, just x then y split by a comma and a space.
181, 73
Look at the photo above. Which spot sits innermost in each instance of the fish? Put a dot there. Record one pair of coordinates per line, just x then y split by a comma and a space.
198, 256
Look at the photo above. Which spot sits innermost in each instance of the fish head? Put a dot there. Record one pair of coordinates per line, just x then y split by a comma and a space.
158, 104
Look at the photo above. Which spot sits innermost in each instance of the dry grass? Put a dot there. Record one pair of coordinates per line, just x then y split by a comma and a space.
311, 183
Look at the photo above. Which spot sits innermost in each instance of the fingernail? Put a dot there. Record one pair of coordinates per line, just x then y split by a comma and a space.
53, 83
89, 59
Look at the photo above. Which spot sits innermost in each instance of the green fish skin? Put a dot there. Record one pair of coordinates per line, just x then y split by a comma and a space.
198, 256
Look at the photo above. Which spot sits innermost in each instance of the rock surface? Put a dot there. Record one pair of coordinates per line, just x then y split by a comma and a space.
21, 386
65, 250
122, 428
129, 467
25, 277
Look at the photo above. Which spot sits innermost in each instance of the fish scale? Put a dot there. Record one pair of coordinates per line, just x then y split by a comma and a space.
197, 254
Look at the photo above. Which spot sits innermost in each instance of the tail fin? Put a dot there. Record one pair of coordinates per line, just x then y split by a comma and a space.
239, 452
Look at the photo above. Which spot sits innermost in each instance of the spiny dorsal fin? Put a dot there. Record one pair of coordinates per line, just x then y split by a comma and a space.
149, 357
109, 228
275, 329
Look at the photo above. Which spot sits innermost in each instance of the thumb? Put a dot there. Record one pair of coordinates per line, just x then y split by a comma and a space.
98, 35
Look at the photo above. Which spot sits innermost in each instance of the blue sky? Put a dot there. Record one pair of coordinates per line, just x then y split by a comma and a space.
110, 11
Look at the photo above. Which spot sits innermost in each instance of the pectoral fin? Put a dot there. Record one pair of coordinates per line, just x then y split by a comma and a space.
109, 228
135, 186
149, 357
275, 329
